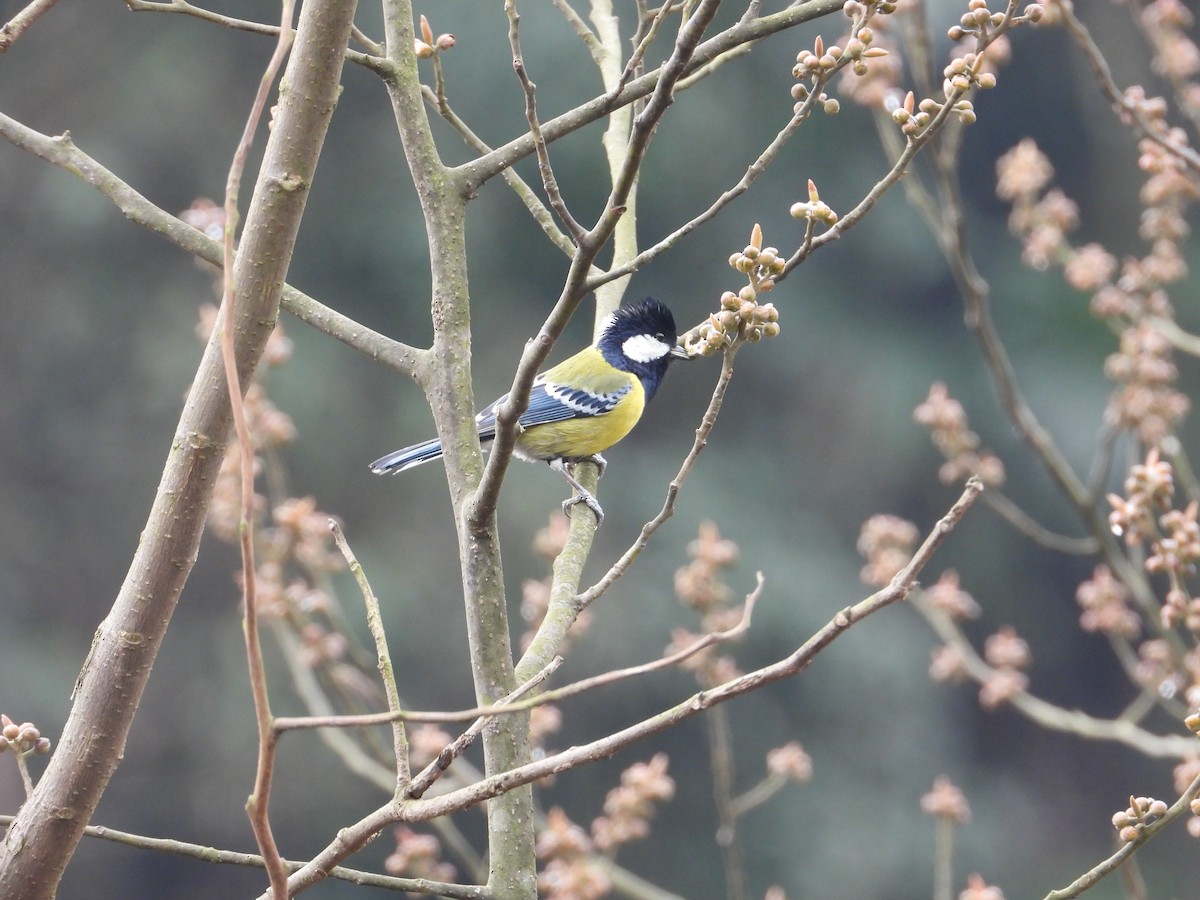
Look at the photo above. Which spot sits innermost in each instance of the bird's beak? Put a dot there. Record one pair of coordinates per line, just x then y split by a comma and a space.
679, 352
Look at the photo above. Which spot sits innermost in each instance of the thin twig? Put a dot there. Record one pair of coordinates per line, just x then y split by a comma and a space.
752, 173
634, 63
580, 28
512, 703
533, 204
11, 32
384, 658
1036, 531
210, 854
185, 8
257, 806
372, 60
1145, 832
757, 795
549, 182
1180, 339
1128, 109
62, 152
374, 47
1056, 718
721, 763
943, 858
23, 768
458, 746
1160, 42
490, 165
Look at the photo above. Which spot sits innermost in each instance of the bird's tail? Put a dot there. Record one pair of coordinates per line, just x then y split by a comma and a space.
399, 460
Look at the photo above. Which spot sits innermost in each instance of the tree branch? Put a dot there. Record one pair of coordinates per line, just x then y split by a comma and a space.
209, 854
61, 151
50, 824
12, 30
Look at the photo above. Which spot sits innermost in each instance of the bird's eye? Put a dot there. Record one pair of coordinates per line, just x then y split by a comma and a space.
658, 336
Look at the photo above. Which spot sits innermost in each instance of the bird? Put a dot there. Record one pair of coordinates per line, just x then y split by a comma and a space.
582, 406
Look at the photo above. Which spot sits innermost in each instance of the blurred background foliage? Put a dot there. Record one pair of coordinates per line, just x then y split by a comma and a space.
98, 345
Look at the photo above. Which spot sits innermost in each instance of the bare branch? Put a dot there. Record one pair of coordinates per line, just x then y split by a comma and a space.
371, 60
1036, 531
1128, 110
549, 182
258, 804
40, 842
375, 623
899, 588
486, 167
61, 151
1056, 718
541, 215
210, 854
11, 31
456, 748
1145, 832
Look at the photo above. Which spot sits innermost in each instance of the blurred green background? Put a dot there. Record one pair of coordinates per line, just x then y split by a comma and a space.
97, 347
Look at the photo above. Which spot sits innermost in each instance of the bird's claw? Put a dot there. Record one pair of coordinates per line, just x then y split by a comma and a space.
588, 499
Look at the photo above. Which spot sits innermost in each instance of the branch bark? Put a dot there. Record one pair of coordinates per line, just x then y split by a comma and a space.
48, 828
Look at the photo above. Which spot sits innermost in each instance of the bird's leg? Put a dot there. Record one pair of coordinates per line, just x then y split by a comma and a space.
582, 494
601, 463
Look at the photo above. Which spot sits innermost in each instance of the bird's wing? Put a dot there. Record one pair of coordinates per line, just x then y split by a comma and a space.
553, 402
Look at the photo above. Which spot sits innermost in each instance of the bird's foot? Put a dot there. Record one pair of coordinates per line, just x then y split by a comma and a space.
601, 463
582, 494
587, 498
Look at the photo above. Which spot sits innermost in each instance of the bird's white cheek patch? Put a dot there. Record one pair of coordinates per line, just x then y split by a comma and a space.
645, 348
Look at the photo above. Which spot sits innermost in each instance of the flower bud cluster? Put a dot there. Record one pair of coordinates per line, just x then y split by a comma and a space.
947, 595
741, 316
1145, 400
427, 46
815, 209
1176, 56
629, 806
858, 54
569, 869
1149, 490
1178, 548
1146, 515
887, 543
206, 216
1105, 603
790, 762
1140, 812
1007, 654
701, 585
418, 856
815, 67
22, 739
1159, 669
948, 428
1187, 771
946, 801
978, 889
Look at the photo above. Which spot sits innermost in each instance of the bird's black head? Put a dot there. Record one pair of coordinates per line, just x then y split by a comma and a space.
640, 338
